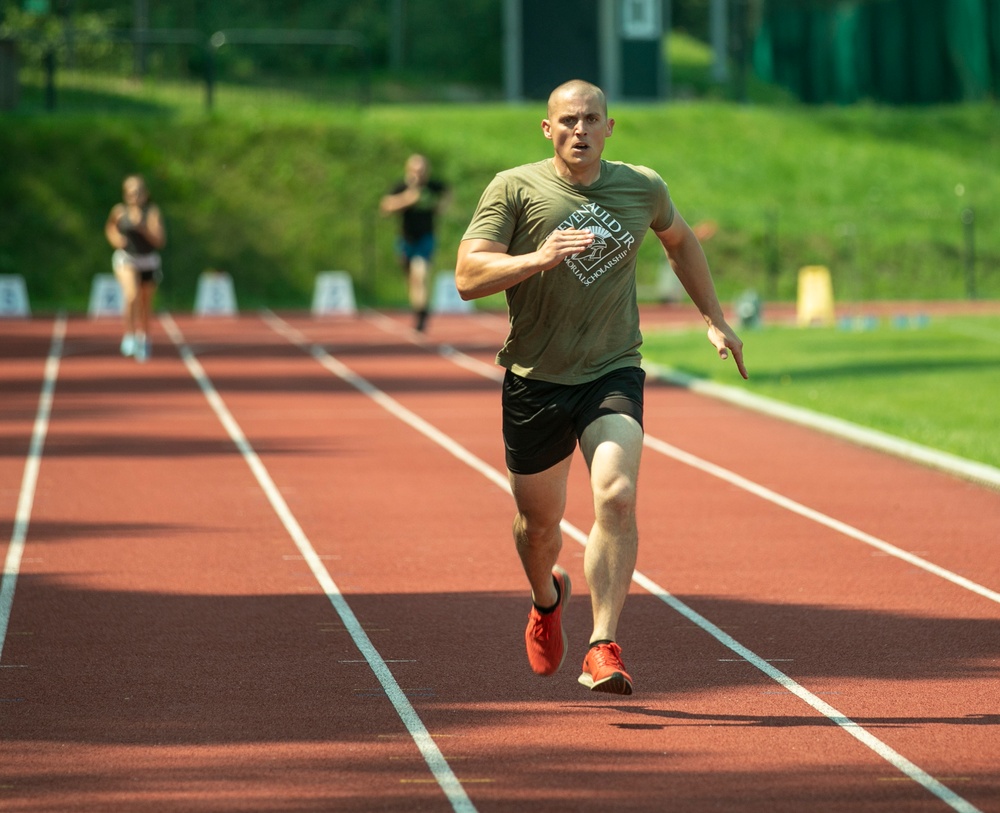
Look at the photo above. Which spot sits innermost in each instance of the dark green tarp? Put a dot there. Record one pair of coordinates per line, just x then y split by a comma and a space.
895, 51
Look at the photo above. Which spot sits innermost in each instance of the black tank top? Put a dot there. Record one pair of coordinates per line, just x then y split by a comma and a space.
137, 244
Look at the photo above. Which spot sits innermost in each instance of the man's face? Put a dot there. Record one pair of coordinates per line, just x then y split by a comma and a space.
577, 126
417, 169
134, 192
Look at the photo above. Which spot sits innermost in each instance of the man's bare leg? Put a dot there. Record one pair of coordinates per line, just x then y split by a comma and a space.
612, 446
541, 501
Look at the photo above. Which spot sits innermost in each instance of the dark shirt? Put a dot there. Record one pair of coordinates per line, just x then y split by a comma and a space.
137, 244
418, 219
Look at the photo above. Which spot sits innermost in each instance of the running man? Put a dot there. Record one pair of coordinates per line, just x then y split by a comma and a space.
135, 230
561, 237
418, 199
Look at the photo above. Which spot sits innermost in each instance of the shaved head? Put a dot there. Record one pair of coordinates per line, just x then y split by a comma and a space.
577, 87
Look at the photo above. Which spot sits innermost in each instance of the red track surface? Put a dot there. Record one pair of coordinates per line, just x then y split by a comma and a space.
170, 648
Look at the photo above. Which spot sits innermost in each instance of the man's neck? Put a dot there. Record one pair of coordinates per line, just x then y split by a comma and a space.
585, 177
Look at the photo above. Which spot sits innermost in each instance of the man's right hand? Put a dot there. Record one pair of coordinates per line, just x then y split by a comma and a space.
563, 243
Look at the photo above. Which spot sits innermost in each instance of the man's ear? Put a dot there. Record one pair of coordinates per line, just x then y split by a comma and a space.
611, 126
547, 128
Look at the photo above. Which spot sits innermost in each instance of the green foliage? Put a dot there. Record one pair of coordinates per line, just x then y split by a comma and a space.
40, 34
451, 40
276, 186
932, 381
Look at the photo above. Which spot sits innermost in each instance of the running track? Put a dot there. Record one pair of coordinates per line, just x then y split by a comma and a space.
271, 570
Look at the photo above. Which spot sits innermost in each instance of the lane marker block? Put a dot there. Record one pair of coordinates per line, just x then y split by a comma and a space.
333, 294
815, 296
445, 298
106, 298
13, 296
215, 295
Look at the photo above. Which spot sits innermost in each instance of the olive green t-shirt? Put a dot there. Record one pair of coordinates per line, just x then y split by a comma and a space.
578, 320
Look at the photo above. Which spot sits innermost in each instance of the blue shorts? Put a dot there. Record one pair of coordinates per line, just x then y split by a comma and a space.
542, 422
422, 247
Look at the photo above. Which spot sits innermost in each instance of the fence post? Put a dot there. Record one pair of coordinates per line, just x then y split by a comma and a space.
969, 229
369, 253
140, 29
772, 259
211, 47
9, 80
49, 61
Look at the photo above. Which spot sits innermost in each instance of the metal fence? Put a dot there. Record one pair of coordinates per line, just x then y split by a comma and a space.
85, 70
868, 253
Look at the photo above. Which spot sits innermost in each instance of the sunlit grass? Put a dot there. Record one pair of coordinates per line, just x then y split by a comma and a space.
279, 183
934, 381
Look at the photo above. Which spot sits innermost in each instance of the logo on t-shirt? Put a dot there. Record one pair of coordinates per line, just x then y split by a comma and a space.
612, 243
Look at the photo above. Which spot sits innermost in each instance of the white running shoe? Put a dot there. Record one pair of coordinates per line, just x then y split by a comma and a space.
143, 349
128, 345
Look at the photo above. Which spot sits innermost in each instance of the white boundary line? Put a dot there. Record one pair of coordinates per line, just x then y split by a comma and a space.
894, 758
959, 466
816, 516
491, 371
438, 765
26, 498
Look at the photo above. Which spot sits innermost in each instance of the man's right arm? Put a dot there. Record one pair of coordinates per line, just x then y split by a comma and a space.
484, 267
397, 201
115, 237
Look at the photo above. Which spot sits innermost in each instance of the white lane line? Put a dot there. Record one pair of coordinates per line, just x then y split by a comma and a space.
392, 406
981, 473
436, 762
464, 360
26, 497
797, 508
890, 755
894, 758
493, 372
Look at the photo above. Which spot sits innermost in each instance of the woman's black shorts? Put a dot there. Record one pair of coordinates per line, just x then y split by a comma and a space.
542, 422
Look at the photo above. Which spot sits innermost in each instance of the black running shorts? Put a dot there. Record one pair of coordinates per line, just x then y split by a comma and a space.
542, 422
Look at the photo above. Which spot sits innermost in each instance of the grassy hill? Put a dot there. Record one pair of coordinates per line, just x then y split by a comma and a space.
278, 188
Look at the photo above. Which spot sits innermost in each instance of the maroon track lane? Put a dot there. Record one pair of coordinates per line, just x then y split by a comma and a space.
244, 691
24, 347
921, 652
962, 617
167, 649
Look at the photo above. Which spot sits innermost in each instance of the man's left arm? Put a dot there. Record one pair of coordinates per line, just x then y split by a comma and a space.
688, 260
155, 230
398, 201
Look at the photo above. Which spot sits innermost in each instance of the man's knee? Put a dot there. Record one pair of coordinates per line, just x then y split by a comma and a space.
536, 527
615, 500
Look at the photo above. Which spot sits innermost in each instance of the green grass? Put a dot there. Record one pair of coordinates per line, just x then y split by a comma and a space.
275, 187
937, 384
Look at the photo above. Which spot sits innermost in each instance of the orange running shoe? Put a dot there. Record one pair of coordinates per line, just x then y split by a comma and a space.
545, 638
603, 670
